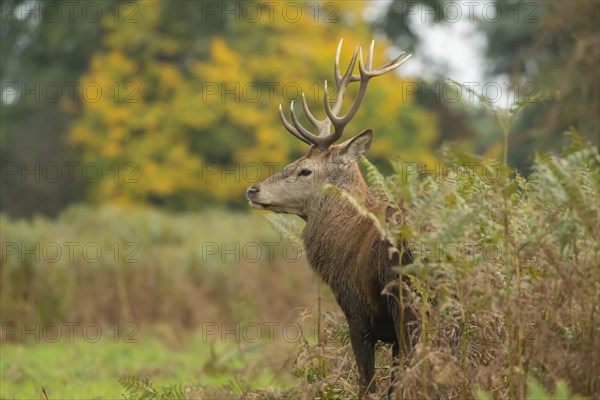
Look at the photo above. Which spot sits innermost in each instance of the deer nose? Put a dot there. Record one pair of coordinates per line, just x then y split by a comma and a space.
252, 191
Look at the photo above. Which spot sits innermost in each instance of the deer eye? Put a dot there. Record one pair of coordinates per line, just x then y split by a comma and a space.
304, 172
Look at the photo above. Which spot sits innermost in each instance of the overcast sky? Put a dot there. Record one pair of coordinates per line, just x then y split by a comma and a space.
457, 46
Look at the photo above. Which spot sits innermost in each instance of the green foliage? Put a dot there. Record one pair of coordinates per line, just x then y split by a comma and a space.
380, 185
538, 392
161, 364
492, 253
324, 367
142, 389
339, 329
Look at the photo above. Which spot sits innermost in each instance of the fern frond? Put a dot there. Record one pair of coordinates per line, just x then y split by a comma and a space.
236, 386
378, 183
179, 391
574, 194
576, 142
340, 330
140, 388
286, 228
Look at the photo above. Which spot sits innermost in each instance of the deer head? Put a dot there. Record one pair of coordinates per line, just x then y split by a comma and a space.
298, 188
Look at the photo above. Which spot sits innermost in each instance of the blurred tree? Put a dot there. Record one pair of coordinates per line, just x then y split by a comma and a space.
455, 122
45, 48
41, 55
552, 47
195, 120
541, 47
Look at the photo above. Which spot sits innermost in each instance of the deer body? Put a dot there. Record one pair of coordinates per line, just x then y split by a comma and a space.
346, 252
343, 247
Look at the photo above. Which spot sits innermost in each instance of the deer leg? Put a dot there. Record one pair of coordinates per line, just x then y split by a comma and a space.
363, 346
395, 368
406, 326
396, 354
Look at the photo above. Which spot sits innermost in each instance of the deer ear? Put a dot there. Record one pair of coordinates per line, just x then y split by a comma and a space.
352, 149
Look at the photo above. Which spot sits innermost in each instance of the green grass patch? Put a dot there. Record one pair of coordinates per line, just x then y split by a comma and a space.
84, 370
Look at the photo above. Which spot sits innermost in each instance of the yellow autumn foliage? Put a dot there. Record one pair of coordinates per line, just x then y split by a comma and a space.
200, 126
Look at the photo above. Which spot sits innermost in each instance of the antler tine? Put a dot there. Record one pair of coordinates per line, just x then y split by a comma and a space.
402, 53
369, 62
365, 75
324, 139
341, 81
348, 74
336, 65
370, 55
336, 69
328, 109
383, 70
290, 128
302, 130
321, 125
330, 113
390, 65
340, 123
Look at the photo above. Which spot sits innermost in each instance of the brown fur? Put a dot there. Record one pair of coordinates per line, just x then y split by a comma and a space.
347, 253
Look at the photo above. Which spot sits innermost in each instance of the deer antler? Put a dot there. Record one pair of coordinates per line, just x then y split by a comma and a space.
324, 138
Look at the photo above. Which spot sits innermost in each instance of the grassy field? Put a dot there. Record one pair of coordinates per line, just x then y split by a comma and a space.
198, 299
182, 284
84, 370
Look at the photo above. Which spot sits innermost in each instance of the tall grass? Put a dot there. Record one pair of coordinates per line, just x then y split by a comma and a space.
173, 269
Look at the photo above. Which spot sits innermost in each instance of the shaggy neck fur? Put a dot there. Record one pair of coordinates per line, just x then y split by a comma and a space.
335, 235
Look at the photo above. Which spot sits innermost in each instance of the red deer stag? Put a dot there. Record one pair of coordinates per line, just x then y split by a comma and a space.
343, 248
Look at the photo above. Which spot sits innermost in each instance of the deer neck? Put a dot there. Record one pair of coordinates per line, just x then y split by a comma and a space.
335, 233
